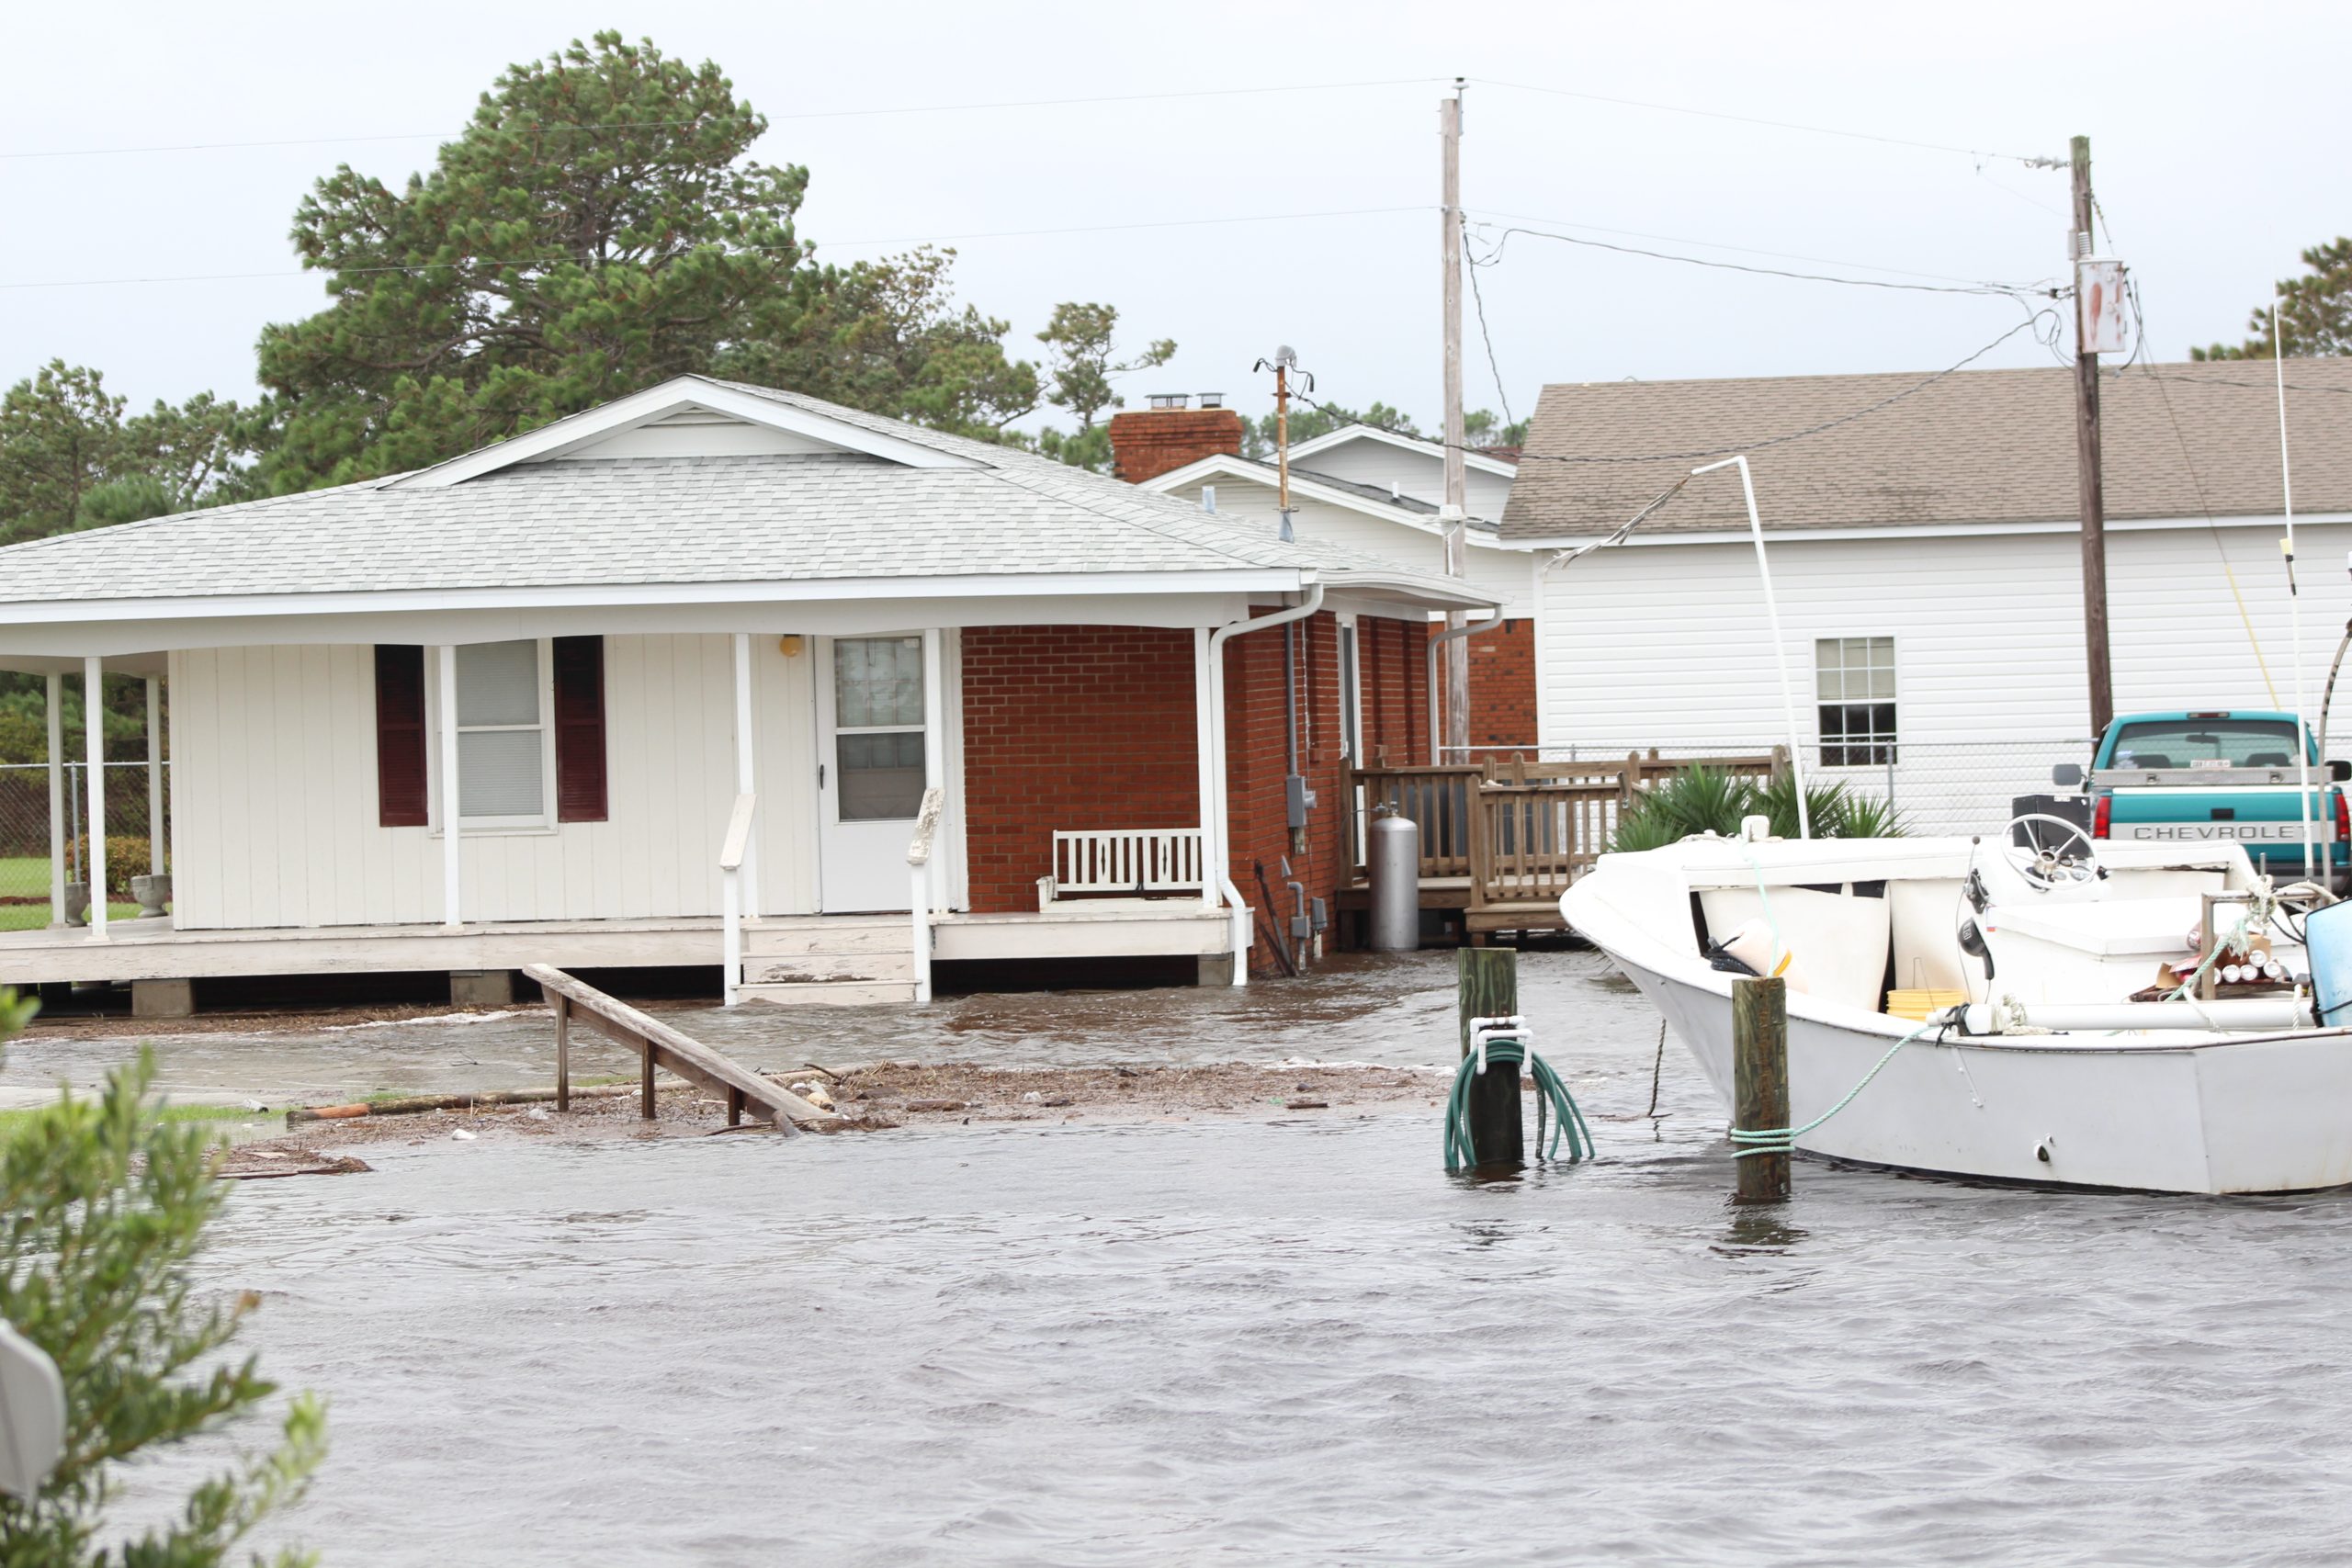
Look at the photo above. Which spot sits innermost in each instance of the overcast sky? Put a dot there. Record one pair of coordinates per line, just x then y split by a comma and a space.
2211, 181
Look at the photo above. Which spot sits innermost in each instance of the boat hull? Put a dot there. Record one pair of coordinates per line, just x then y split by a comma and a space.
2270, 1114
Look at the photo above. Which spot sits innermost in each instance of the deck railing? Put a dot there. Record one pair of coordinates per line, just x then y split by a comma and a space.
921, 894
1521, 829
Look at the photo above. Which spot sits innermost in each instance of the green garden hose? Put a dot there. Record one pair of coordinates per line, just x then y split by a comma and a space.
1567, 1121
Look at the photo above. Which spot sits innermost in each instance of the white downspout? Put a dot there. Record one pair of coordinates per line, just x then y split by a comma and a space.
1219, 860
1471, 629
1204, 751
94, 727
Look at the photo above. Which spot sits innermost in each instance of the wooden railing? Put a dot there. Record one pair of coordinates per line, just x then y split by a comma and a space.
1521, 829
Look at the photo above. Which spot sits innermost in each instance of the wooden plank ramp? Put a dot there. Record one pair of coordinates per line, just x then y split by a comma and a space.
658, 1045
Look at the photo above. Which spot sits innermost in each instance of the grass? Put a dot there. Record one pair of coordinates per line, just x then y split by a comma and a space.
28, 876
14, 1122
32, 916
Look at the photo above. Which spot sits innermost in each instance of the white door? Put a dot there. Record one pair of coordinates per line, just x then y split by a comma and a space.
869, 768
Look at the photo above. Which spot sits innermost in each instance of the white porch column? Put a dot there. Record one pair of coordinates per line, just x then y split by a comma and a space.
452, 911
1204, 751
56, 800
934, 752
746, 774
93, 727
154, 776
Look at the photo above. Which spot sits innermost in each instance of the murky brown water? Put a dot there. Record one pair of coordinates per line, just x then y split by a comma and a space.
1296, 1342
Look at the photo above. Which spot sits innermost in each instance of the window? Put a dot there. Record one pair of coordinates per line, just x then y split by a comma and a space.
2214, 741
501, 734
877, 727
1854, 684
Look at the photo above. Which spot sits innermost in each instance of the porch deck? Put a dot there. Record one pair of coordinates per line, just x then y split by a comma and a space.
153, 949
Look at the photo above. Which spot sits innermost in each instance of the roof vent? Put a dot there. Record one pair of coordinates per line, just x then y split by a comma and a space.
1170, 400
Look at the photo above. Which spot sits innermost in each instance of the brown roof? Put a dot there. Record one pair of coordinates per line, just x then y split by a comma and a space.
1976, 447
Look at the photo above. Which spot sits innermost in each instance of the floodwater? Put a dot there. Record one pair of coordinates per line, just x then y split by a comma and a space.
1295, 1342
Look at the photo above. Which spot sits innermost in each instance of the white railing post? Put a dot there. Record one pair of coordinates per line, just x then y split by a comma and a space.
730, 894
918, 880
154, 776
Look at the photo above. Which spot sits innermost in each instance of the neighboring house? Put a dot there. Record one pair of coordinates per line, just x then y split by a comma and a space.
1372, 490
1927, 551
720, 621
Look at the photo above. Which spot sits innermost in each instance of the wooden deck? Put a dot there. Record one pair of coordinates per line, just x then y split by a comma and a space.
155, 950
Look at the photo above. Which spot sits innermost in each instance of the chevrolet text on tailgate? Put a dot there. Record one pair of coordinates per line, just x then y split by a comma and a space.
2218, 778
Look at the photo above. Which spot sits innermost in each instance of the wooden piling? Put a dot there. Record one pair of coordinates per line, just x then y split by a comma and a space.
1488, 986
562, 1050
645, 1106
1759, 1078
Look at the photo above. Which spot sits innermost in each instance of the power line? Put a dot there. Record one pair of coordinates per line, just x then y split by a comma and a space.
1478, 297
2028, 160
674, 124
2004, 291
554, 259
1719, 245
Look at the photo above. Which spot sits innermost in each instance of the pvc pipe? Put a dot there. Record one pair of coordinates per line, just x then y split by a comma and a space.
1217, 859
1780, 651
2252, 1013
1470, 628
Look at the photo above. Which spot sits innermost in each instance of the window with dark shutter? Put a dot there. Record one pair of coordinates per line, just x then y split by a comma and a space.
580, 729
399, 736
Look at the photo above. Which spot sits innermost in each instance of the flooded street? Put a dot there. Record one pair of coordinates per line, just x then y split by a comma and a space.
1293, 1341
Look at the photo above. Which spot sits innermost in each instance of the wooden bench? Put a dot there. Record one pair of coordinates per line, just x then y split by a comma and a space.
1137, 861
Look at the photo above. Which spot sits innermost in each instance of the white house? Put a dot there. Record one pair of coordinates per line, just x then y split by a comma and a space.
907, 697
1926, 547
1372, 489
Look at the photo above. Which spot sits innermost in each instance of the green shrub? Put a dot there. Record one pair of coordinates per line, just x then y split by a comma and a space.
126, 857
1701, 799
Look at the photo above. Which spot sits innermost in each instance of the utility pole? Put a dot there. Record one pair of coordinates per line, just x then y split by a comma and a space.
1284, 361
2087, 456
1454, 515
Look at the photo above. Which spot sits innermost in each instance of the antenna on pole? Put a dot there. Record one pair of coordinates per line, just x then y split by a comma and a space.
1454, 517
1284, 361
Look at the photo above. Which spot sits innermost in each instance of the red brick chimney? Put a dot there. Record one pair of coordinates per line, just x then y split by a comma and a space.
1147, 443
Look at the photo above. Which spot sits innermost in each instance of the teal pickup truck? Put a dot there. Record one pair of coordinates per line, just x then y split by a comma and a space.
2218, 778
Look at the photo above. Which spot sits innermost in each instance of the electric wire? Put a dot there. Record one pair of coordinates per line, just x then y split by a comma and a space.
1478, 297
2004, 290
1718, 245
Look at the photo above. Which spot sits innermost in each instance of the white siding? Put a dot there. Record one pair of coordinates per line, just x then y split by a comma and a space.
275, 812
1667, 645
1420, 474
1507, 574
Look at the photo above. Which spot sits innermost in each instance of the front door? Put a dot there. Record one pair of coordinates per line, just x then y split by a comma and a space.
869, 768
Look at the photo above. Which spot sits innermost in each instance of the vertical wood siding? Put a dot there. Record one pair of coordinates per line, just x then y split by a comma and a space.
274, 794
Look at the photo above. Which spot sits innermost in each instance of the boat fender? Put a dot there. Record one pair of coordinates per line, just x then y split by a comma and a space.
1752, 945
2327, 943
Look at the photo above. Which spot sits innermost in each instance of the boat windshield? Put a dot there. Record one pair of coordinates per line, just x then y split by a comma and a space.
2206, 743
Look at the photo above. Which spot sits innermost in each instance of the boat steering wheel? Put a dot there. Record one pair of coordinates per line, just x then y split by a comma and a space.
2057, 852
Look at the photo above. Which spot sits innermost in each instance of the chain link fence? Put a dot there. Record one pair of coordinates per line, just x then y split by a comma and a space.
25, 836
1938, 788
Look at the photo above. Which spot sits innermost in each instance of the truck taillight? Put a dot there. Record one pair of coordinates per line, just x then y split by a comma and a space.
2343, 816
2102, 817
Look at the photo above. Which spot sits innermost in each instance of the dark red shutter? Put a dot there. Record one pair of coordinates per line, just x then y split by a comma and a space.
580, 729
399, 736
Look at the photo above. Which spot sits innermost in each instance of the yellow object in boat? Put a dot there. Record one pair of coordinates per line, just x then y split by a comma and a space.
1917, 1004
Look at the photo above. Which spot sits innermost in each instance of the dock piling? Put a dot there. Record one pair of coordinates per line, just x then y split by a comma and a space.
1488, 986
1759, 1075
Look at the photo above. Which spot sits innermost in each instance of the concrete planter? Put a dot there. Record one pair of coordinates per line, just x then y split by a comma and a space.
77, 903
152, 893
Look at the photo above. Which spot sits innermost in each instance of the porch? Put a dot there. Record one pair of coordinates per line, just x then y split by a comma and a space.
839, 959
1501, 839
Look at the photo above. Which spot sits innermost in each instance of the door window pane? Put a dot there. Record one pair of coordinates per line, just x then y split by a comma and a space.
877, 681
881, 776
498, 773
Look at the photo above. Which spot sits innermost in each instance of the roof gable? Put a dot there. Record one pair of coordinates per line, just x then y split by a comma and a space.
690, 417
1348, 434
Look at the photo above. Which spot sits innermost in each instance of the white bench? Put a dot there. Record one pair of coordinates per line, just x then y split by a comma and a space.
1137, 862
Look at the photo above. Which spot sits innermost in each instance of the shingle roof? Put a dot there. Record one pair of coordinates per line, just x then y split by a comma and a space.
1980, 446
673, 520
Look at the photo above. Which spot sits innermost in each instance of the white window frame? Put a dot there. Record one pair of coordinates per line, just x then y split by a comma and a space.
1350, 692
1891, 740
543, 821
921, 728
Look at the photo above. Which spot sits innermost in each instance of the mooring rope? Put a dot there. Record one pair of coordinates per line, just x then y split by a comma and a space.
1783, 1140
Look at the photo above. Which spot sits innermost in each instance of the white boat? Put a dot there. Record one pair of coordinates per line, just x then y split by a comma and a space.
2047, 1072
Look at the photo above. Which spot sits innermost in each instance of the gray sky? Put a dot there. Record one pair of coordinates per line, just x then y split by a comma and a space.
2211, 181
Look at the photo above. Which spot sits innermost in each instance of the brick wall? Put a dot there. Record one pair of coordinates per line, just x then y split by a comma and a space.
1502, 685
1070, 727
1147, 443
1393, 657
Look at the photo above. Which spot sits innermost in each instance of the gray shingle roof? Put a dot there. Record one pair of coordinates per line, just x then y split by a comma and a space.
647, 521
1981, 447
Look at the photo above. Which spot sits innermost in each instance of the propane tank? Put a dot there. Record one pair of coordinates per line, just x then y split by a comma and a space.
1392, 861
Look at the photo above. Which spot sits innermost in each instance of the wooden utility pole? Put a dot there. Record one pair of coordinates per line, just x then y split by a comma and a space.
2087, 457
1760, 1081
1454, 515
1281, 437
1488, 986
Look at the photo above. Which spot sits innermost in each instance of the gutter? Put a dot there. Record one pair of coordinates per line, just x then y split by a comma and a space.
1219, 855
1471, 629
